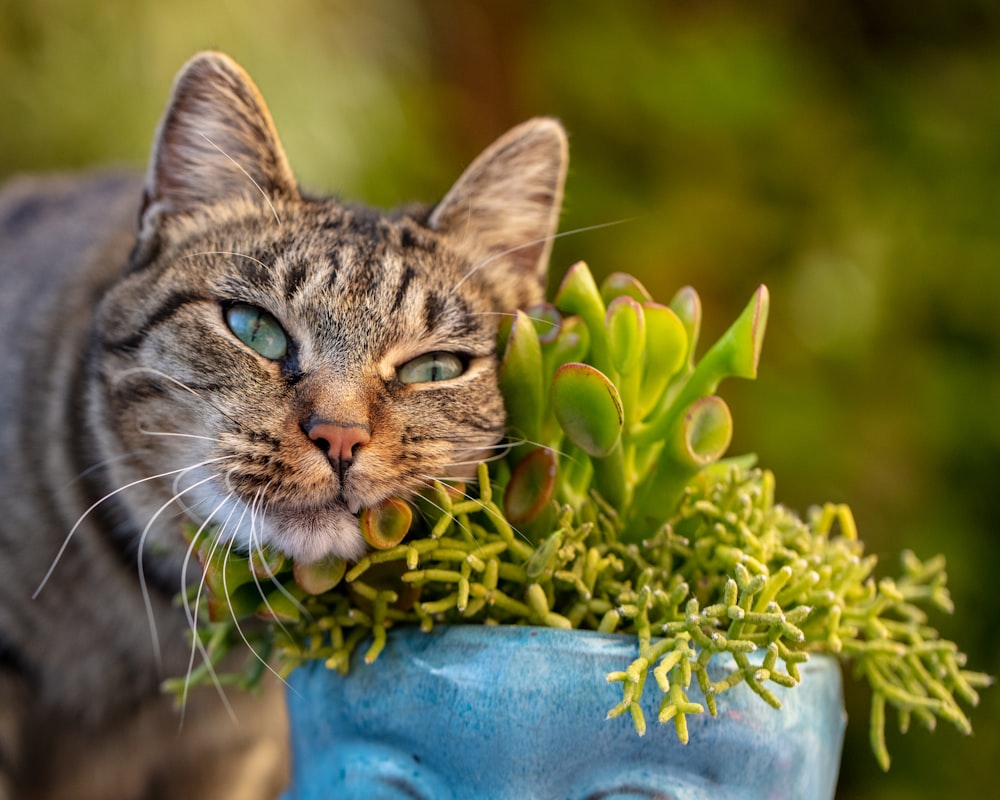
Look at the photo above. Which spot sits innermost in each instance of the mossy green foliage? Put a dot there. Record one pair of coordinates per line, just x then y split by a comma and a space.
614, 511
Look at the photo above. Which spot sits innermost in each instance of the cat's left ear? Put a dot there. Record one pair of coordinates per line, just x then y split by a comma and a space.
216, 143
504, 210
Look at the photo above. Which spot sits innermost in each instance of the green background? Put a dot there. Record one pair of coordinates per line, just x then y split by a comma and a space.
845, 153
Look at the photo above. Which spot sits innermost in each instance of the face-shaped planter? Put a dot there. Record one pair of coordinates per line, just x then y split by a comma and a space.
519, 713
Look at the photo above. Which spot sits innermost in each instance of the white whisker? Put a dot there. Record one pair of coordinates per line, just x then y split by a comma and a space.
121, 375
147, 601
99, 465
181, 435
125, 373
487, 261
248, 175
109, 495
256, 544
231, 254
236, 622
192, 616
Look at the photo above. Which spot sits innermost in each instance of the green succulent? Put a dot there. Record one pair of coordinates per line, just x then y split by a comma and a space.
614, 510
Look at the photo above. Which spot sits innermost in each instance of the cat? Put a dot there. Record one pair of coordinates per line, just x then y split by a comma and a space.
247, 355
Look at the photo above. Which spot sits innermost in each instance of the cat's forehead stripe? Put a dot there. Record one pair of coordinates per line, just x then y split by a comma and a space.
404, 283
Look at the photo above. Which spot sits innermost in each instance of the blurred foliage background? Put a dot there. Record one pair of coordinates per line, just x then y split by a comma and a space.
845, 153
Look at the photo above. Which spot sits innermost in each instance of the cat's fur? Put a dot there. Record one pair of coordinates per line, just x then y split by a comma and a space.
118, 366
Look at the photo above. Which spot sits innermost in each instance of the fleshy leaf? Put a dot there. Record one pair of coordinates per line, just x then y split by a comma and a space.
531, 486
625, 324
621, 284
266, 562
547, 321
700, 437
572, 344
578, 294
386, 525
588, 408
687, 306
320, 576
667, 347
735, 354
520, 378
706, 432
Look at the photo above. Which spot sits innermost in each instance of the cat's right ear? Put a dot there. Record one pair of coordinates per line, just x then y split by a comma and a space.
216, 142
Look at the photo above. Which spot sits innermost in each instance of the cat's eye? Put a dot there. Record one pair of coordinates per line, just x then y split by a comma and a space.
258, 330
431, 367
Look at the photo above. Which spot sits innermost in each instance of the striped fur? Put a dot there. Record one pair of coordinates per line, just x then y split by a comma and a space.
120, 367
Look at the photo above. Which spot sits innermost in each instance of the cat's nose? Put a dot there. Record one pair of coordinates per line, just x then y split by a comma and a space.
339, 441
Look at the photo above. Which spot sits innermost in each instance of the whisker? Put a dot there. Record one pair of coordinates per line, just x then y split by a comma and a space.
146, 599
121, 375
108, 496
192, 616
99, 465
231, 254
487, 261
181, 435
249, 177
257, 544
236, 622
125, 373
467, 531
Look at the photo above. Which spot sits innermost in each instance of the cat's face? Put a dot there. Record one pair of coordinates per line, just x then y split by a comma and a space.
284, 362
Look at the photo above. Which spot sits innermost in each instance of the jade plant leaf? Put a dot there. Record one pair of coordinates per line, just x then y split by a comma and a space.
621, 284
588, 408
625, 325
386, 525
320, 576
520, 378
531, 487
578, 294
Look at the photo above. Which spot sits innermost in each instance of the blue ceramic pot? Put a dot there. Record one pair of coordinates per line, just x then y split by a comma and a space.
510, 712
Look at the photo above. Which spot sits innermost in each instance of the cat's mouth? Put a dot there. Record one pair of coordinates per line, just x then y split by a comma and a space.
309, 535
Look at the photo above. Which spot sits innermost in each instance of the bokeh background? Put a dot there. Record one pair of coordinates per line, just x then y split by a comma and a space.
845, 153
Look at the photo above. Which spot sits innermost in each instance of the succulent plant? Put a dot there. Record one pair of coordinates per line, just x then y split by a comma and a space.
613, 510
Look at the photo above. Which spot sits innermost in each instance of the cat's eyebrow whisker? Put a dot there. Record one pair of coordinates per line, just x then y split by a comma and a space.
146, 599
231, 254
108, 496
496, 256
248, 176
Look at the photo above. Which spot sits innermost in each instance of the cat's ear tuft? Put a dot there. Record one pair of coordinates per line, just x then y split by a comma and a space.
216, 142
503, 211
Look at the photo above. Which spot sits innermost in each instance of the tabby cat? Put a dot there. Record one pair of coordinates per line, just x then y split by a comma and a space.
248, 355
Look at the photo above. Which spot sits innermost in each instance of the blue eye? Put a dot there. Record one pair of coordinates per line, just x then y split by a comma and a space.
431, 367
258, 330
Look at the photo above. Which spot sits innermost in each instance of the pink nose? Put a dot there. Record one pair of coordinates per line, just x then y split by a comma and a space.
338, 441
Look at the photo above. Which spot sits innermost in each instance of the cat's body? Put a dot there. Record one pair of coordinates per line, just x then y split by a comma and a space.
279, 362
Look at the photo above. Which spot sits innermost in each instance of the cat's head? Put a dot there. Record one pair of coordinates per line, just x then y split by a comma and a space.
283, 361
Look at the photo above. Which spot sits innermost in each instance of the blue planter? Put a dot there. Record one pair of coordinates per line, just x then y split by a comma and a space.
519, 713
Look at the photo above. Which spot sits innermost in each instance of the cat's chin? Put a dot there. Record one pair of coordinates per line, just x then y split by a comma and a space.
311, 535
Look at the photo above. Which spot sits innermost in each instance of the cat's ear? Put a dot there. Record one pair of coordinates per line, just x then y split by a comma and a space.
216, 142
504, 209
